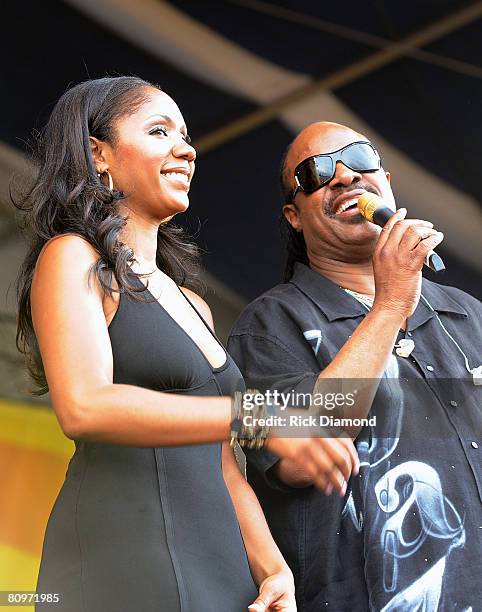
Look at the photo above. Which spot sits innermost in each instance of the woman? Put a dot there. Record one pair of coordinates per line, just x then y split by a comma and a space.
154, 513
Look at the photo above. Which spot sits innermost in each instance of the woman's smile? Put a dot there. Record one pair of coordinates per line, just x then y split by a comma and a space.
179, 177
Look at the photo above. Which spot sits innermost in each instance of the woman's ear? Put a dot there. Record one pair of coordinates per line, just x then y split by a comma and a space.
98, 148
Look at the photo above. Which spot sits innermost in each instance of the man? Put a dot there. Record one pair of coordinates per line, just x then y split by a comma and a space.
407, 535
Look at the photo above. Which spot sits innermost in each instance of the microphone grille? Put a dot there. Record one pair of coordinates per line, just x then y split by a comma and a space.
367, 204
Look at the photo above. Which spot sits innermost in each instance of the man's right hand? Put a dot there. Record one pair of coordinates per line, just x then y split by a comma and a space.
326, 463
401, 250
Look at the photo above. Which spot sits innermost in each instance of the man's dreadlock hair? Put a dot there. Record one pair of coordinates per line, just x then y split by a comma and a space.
294, 240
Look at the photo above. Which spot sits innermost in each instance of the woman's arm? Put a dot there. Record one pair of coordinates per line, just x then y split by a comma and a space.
268, 567
76, 352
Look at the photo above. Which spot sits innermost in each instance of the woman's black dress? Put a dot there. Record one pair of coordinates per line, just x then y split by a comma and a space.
149, 529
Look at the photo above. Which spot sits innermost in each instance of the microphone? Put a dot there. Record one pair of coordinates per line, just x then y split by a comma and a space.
373, 208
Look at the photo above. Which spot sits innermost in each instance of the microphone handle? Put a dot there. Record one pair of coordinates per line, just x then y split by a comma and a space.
432, 261
381, 215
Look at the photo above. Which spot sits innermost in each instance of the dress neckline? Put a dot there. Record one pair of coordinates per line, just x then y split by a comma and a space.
198, 348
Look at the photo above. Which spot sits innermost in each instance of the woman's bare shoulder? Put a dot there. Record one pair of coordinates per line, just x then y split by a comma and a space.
62, 259
68, 246
65, 264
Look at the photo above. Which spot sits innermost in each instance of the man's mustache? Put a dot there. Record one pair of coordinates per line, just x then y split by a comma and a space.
329, 208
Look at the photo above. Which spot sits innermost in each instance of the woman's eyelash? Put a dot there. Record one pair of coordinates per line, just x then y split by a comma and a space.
159, 129
162, 130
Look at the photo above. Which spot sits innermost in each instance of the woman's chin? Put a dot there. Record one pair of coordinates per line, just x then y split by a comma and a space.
180, 205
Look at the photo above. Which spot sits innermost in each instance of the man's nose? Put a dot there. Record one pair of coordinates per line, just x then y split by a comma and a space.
344, 176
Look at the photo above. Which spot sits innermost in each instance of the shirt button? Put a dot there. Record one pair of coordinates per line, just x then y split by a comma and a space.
453, 403
474, 445
430, 368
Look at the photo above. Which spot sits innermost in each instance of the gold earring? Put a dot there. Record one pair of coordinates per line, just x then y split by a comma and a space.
109, 179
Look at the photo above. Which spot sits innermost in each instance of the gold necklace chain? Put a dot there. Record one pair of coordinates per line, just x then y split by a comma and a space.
366, 300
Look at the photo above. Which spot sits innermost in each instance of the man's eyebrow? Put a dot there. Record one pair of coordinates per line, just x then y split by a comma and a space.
168, 120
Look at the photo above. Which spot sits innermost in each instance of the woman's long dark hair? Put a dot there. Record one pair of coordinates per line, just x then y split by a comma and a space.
295, 241
67, 196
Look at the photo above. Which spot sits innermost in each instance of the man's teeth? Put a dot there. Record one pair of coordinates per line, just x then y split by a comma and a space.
177, 176
346, 205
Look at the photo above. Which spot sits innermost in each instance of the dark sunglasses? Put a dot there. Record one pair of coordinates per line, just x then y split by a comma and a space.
314, 172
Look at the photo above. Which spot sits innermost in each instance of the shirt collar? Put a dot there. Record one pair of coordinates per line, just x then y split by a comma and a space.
332, 300
336, 303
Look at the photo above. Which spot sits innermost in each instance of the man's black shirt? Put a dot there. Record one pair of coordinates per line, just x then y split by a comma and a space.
408, 534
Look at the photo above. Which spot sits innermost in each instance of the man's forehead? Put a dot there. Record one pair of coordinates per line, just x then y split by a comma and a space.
321, 137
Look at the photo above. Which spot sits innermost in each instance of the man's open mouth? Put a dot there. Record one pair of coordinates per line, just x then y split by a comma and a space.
347, 205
